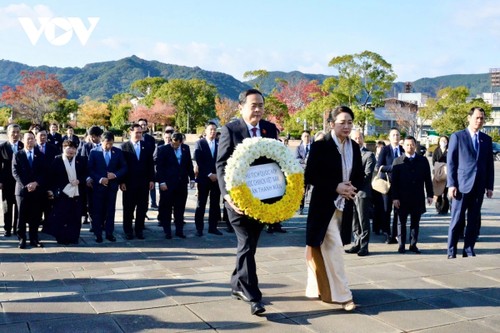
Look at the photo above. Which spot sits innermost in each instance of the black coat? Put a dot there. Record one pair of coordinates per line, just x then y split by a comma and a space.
140, 172
409, 178
168, 169
6, 155
204, 159
324, 172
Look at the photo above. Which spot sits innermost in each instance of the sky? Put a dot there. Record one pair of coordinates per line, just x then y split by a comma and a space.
424, 38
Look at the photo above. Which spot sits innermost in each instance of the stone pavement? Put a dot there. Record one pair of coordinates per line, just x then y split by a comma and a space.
182, 285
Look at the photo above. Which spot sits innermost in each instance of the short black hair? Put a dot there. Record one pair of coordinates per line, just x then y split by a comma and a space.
178, 137
68, 143
471, 111
108, 136
409, 137
134, 126
211, 123
338, 110
242, 99
143, 119
95, 130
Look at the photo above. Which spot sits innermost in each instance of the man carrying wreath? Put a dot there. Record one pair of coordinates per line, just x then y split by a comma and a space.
244, 281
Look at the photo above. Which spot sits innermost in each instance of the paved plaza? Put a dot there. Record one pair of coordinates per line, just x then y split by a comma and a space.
182, 285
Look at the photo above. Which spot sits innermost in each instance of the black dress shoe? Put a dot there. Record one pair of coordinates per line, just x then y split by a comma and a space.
168, 236
363, 253
452, 256
465, 255
215, 232
111, 238
236, 294
415, 250
98, 239
391, 240
139, 236
257, 308
353, 249
180, 235
129, 236
401, 249
36, 244
7, 234
199, 233
22, 244
269, 230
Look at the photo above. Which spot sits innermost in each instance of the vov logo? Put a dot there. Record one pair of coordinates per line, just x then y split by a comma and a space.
58, 30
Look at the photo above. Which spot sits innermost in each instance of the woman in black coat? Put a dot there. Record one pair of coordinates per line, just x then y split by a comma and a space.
67, 185
335, 170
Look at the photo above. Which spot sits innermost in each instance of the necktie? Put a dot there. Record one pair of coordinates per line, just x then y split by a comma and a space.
107, 157
211, 144
307, 149
254, 131
30, 158
178, 155
138, 150
396, 152
475, 143
14, 148
42, 149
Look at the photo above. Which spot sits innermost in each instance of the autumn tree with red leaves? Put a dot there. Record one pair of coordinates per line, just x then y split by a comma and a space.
160, 113
296, 96
225, 109
37, 95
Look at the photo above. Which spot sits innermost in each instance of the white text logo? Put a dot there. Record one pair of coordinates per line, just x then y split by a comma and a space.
58, 30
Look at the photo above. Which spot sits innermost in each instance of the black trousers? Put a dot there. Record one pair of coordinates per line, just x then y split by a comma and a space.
244, 277
29, 214
103, 209
9, 211
414, 227
361, 222
206, 190
135, 199
173, 199
386, 222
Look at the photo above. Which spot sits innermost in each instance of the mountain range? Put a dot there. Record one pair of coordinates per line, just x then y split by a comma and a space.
104, 79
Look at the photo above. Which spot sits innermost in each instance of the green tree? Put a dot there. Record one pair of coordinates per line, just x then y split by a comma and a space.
193, 100
259, 75
64, 110
5, 113
146, 88
450, 109
119, 107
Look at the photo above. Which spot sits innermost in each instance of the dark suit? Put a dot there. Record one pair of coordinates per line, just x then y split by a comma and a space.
87, 204
28, 203
301, 155
50, 151
206, 166
324, 173
363, 202
140, 172
74, 138
244, 278
176, 176
104, 197
8, 185
385, 159
472, 174
409, 178
55, 139
150, 141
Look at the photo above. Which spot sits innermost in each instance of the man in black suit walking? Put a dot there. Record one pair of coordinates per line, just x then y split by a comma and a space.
387, 155
244, 281
174, 170
411, 173
7, 181
137, 183
106, 167
29, 171
205, 154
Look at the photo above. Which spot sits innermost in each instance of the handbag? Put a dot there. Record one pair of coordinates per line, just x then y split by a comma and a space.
379, 184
